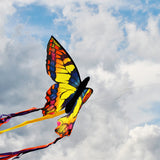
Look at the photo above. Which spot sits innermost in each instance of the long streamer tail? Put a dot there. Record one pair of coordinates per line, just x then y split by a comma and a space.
17, 154
48, 116
4, 118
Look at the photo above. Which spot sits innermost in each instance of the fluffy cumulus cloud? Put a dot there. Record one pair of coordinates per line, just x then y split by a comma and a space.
141, 144
116, 43
146, 41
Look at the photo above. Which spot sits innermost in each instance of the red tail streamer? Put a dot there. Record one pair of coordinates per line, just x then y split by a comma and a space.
4, 118
17, 154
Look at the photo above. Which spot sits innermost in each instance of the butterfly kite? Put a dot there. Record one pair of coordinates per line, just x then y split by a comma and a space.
67, 95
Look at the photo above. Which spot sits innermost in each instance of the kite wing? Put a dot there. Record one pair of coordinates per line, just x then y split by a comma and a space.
57, 96
61, 68
66, 123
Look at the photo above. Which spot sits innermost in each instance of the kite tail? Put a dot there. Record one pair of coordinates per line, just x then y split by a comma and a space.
48, 116
17, 154
9, 116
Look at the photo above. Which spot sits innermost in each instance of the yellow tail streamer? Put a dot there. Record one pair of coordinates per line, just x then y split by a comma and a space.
34, 120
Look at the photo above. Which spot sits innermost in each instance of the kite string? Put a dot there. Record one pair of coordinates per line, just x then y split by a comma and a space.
48, 116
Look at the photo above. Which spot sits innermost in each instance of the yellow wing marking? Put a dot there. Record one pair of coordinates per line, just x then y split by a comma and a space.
66, 94
59, 102
66, 60
56, 43
67, 86
76, 110
64, 91
70, 68
62, 77
60, 70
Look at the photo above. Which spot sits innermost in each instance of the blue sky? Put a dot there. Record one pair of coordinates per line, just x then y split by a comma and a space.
116, 43
37, 16
40, 16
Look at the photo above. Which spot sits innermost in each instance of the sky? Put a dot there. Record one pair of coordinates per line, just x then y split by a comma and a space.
116, 43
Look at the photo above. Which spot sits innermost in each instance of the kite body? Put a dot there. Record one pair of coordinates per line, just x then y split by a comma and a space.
67, 95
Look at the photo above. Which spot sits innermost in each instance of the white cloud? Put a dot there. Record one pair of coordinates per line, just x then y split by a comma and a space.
138, 99
143, 70
142, 143
142, 73
94, 36
144, 44
107, 124
6, 8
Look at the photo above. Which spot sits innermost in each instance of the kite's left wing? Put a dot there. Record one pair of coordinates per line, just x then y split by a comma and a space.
60, 66
62, 69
